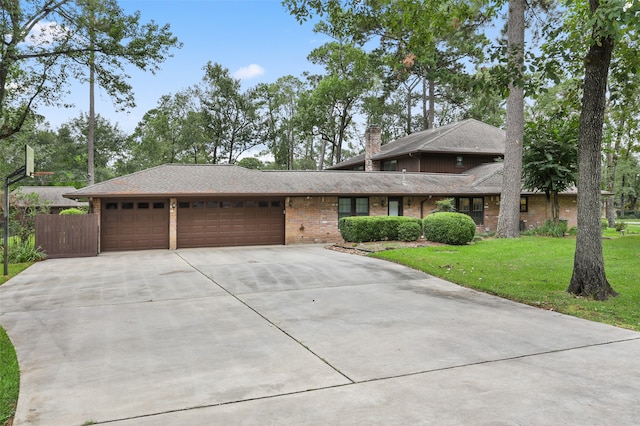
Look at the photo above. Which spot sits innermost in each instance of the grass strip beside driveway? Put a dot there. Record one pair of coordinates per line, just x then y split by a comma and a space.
9, 369
535, 271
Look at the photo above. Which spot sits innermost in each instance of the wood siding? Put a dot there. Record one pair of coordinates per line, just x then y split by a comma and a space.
447, 163
67, 235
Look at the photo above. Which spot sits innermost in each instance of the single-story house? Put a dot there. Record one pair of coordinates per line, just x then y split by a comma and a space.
178, 206
51, 196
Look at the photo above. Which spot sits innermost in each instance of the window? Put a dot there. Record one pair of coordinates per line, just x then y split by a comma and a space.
472, 206
225, 204
353, 207
395, 206
184, 204
238, 204
127, 206
524, 204
275, 204
158, 205
198, 205
143, 205
212, 204
111, 206
390, 166
459, 161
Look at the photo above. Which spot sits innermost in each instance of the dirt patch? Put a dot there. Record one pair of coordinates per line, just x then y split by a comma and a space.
364, 249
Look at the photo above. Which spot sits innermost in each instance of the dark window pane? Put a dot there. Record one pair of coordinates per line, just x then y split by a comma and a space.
225, 204
212, 204
464, 205
158, 205
250, 204
127, 206
143, 205
478, 204
111, 206
184, 204
263, 204
275, 204
198, 205
362, 206
524, 204
238, 204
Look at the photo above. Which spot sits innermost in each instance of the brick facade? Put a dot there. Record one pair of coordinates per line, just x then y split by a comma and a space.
315, 219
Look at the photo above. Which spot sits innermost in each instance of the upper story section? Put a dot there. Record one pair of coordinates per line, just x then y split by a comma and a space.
454, 148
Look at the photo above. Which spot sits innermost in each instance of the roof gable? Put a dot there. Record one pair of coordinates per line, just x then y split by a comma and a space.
464, 137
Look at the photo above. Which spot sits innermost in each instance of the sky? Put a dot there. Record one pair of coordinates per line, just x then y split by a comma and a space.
257, 40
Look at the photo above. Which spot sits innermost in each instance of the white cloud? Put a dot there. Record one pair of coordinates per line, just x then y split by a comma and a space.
249, 72
46, 33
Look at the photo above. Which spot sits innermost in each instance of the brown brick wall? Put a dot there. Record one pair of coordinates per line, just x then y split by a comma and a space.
315, 219
311, 220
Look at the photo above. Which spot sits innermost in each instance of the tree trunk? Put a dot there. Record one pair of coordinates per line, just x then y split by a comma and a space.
555, 207
588, 277
509, 215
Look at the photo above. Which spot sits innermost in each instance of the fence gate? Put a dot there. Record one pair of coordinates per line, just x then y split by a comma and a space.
67, 235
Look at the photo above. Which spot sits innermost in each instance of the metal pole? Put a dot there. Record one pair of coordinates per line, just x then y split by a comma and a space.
8, 181
6, 226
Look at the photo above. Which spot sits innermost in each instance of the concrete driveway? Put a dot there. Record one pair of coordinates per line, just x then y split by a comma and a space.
299, 335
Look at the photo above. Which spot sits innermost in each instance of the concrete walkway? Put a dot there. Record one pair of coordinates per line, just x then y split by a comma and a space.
299, 335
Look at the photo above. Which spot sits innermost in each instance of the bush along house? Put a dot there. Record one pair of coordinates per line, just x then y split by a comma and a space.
178, 206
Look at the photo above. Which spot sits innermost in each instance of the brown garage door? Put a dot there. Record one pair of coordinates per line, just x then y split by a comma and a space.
220, 223
134, 225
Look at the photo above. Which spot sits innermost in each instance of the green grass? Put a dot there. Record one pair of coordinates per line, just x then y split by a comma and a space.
9, 370
9, 378
536, 271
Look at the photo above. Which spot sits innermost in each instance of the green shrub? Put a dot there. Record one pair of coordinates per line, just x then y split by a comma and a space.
446, 205
23, 252
549, 229
72, 210
409, 231
605, 223
621, 226
372, 228
449, 228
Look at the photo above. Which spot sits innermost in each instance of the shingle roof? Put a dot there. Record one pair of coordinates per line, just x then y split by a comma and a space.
53, 195
176, 180
464, 137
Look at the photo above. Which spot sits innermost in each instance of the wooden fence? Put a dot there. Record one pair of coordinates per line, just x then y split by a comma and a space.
67, 235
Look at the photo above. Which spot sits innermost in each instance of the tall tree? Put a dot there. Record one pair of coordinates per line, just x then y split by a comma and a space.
427, 43
335, 97
279, 107
509, 215
230, 116
609, 22
47, 43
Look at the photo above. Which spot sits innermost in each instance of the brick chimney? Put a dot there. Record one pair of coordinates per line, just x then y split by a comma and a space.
373, 144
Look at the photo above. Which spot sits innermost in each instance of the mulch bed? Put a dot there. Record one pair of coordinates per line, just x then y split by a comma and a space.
364, 249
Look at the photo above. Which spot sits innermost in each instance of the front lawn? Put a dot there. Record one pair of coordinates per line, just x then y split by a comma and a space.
536, 271
9, 370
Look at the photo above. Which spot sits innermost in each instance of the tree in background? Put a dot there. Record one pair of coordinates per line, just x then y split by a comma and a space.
550, 157
334, 98
48, 43
229, 117
278, 109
